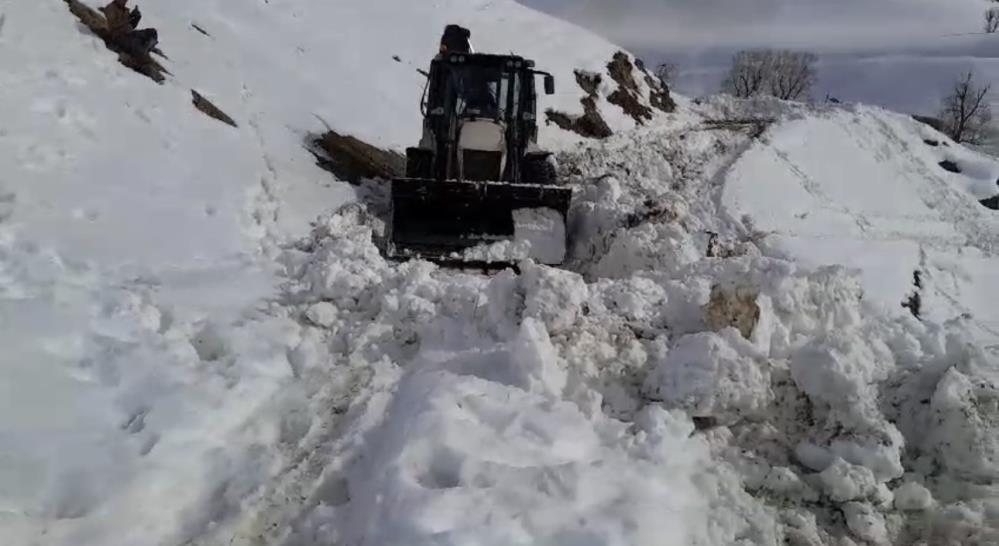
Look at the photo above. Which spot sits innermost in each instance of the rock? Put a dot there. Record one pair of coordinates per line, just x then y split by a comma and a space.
950, 166
591, 124
206, 107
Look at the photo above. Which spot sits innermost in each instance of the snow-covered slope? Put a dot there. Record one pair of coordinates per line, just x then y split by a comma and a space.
143, 370
868, 189
174, 371
277, 68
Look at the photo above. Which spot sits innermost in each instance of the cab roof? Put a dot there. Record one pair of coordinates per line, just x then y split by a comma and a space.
485, 59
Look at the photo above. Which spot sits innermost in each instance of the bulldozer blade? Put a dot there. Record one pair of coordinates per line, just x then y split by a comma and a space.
434, 219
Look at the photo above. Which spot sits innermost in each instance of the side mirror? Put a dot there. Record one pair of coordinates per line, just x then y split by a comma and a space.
549, 84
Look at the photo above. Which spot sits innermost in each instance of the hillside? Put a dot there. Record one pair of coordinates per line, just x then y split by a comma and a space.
878, 192
203, 345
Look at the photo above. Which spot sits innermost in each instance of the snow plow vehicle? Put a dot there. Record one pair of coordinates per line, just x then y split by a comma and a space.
477, 182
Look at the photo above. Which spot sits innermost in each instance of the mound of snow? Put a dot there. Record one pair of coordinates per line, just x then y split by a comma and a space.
152, 381
163, 385
861, 187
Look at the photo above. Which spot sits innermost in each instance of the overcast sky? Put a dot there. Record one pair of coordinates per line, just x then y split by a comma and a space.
902, 54
817, 24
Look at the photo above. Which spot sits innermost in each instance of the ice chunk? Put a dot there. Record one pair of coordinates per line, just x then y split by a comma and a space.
535, 361
544, 229
322, 314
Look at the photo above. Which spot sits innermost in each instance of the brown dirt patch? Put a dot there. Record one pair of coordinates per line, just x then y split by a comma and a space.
733, 307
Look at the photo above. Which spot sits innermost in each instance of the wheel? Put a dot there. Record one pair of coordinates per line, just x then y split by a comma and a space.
419, 163
540, 169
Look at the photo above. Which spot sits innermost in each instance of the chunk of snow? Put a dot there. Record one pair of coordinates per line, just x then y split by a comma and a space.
865, 522
965, 426
843, 481
717, 375
544, 230
322, 314
535, 361
911, 496
784, 481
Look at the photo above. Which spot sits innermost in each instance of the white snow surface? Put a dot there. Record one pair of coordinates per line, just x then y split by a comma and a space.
545, 230
188, 361
864, 188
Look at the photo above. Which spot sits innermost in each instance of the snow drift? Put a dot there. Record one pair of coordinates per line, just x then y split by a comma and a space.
148, 366
177, 372
868, 189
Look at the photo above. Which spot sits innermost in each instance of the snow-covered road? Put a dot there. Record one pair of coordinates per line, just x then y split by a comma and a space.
185, 360
610, 403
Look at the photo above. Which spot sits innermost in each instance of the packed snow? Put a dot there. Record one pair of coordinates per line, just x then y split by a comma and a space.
866, 189
205, 345
544, 229
539, 234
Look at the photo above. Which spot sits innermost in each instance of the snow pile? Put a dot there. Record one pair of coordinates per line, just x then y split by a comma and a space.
832, 402
682, 381
865, 188
132, 408
544, 230
501, 252
539, 234
150, 384
613, 404
485, 420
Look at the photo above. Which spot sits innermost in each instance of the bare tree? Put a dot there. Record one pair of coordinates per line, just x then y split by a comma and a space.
792, 74
785, 74
748, 74
992, 20
966, 112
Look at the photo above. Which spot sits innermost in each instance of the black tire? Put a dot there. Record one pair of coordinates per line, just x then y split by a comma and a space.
539, 170
419, 163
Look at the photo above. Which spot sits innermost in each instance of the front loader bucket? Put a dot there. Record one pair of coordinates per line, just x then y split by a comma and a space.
438, 220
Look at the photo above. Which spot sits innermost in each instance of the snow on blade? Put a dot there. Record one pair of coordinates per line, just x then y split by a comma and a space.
539, 234
544, 229
499, 252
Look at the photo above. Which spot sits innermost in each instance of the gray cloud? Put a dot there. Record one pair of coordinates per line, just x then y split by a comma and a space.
829, 25
903, 54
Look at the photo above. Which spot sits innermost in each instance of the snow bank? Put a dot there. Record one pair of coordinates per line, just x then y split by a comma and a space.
865, 188
830, 399
599, 405
152, 382
478, 441
184, 397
